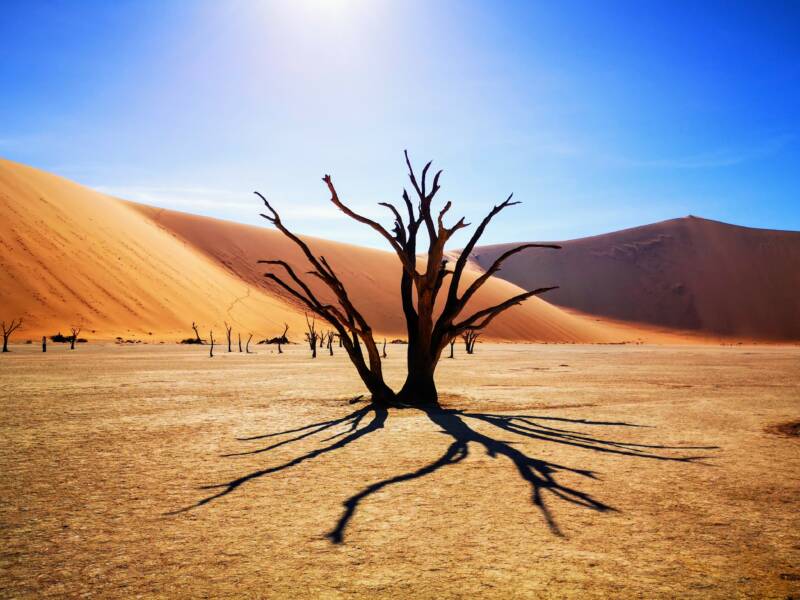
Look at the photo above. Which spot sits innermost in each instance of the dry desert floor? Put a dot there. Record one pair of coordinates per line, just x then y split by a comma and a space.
553, 471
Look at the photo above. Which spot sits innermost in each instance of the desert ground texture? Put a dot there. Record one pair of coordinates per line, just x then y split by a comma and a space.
553, 471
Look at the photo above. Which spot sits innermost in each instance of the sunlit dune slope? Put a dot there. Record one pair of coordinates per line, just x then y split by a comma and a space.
688, 273
73, 256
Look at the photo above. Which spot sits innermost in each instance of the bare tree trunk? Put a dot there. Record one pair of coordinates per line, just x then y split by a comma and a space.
74, 338
311, 335
452, 343
228, 329
44, 343
383, 354
211, 348
420, 386
470, 337
247, 345
196, 333
240, 341
283, 337
8, 330
330, 343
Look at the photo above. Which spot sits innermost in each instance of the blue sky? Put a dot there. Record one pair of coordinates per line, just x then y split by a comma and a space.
598, 116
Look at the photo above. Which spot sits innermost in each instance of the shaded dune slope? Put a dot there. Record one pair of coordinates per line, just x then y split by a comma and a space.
688, 274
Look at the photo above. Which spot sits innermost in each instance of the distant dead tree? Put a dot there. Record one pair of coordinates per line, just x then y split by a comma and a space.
240, 341
311, 335
470, 337
247, 345
74, 337
427, 336
452, 343
228, 329
211, 348
383, 354
283, 339
329, 341
8, 330
44, 343
196, 334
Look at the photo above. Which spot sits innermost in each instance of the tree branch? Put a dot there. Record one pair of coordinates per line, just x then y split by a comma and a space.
375, 225
465, 253
293, 275
488, 314
12, 327
495, 267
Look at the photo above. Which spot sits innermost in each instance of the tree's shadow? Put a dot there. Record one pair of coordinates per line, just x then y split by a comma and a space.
540, 474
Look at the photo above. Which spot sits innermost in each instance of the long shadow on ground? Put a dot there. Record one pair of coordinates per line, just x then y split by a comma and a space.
540, 474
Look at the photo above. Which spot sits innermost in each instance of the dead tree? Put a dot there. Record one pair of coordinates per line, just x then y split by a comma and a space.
329, 342
240, 341
470, 337
228, 329
247, 345
420, 284
44, 343
383, 353
8, 330
311, 335
211, 348
452, 343
74, 337
283, 339
196, 334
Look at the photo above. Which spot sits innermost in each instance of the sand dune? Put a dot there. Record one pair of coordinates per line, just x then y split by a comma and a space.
74, 256
688, 273
372, 277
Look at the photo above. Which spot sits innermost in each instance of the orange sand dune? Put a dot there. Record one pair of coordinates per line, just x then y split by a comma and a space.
74, 256
689, 273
